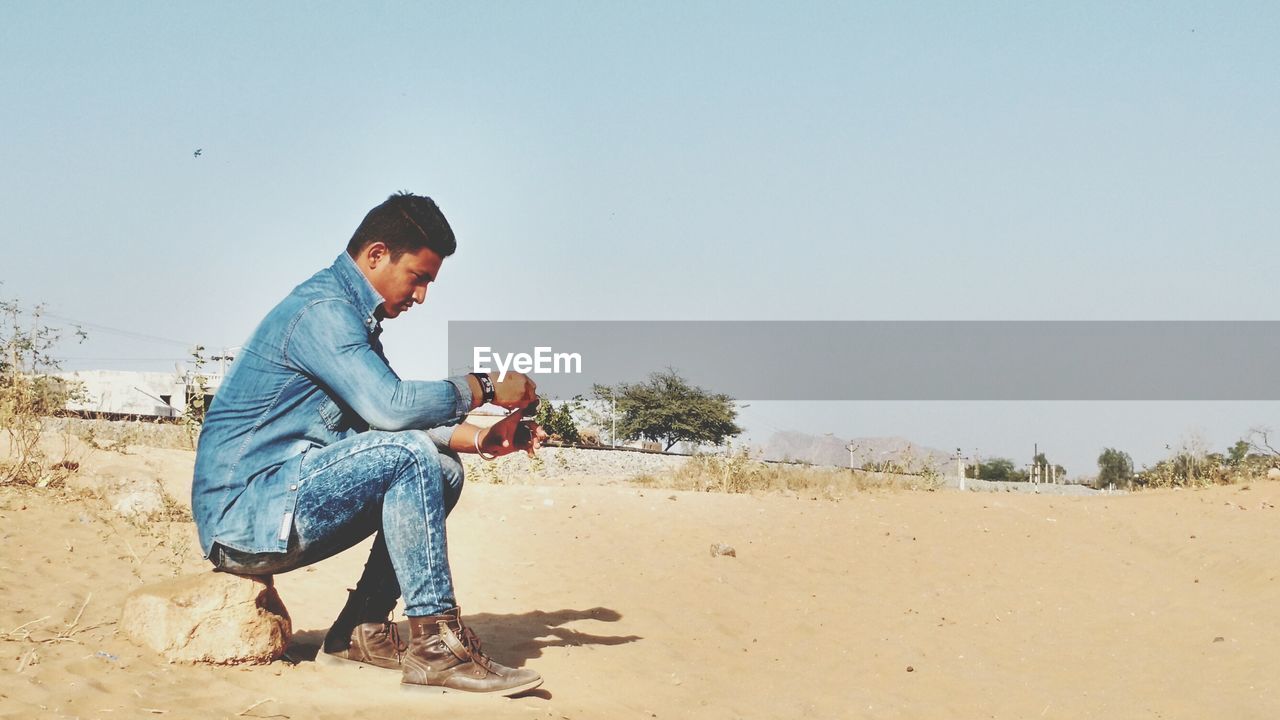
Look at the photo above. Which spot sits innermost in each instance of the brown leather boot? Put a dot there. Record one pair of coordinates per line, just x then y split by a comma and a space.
444, 655
364, 634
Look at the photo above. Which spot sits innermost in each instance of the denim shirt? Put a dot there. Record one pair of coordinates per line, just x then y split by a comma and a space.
313, 373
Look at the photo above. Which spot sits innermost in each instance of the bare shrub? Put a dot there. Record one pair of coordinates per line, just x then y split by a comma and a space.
29, 394
1260, 442
1192, 465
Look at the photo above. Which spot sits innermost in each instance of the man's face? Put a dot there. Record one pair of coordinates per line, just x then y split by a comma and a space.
402, 283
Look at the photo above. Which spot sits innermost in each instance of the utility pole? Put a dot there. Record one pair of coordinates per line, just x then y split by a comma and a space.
222, 359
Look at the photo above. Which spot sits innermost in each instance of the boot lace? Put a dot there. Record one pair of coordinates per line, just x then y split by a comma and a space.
393, 634
470, 639
472, 642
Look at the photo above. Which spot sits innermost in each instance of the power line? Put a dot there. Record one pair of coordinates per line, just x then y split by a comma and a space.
111, 358
118, 331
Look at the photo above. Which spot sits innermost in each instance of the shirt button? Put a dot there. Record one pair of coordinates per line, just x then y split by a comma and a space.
293, 487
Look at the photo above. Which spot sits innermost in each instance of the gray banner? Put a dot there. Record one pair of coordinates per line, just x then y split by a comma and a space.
891, 360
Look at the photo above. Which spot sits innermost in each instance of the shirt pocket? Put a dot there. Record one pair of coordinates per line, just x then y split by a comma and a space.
332, 416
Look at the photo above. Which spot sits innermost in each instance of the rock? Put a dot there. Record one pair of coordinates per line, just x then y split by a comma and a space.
213, 617
1273, 474
136, 497
722, 549
129, 492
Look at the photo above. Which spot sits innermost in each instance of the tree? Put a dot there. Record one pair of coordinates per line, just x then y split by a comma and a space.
1238, 453
195, 405
1114, 466
1260, 442
667, 409
1059, 472
999, 470
558, 422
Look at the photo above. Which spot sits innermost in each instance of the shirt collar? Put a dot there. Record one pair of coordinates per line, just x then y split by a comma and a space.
359, 290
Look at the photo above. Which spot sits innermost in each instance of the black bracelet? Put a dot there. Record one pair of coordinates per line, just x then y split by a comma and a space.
486, 388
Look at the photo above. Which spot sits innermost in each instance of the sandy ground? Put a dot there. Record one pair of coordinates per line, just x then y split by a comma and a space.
881, 605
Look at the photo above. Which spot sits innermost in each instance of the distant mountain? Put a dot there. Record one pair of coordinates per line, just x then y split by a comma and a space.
868, 452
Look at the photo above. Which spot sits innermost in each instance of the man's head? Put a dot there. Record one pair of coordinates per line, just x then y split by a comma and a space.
399, 247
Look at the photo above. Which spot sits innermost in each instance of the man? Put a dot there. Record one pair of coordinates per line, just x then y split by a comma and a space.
313, 443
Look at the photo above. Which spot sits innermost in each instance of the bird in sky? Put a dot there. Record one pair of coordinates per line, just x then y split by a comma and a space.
198, 152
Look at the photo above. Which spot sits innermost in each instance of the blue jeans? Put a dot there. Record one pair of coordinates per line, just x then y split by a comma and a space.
396, 484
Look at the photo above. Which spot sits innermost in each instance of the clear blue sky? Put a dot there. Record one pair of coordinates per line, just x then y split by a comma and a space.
722, 160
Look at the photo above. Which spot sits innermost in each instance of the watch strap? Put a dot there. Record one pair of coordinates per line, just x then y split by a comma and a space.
488, 392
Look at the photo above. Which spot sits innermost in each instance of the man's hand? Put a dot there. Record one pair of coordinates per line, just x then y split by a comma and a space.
515, 390
510, 434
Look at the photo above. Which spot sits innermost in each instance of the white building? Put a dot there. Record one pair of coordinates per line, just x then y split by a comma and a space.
146, 394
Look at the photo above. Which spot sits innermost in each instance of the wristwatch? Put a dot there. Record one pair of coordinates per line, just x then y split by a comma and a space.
486, 388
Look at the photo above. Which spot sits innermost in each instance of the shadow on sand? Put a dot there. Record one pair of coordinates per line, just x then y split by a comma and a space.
512, 640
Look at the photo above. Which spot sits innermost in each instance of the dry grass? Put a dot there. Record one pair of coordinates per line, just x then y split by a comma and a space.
739, 473
117, 435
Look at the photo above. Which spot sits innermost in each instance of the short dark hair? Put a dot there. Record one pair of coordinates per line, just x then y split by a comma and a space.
405, 223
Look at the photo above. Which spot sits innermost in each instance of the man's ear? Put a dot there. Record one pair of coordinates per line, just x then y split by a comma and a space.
374, 255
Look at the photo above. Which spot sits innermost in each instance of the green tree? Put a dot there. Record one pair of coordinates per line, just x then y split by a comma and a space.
558, 421
1114, 466
667, 409
1059, 472
998, 469
565, 427
1238, 453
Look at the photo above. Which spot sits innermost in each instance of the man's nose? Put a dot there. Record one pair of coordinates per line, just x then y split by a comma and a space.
419, 295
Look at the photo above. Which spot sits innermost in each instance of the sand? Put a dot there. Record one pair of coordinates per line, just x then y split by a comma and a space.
883, 604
